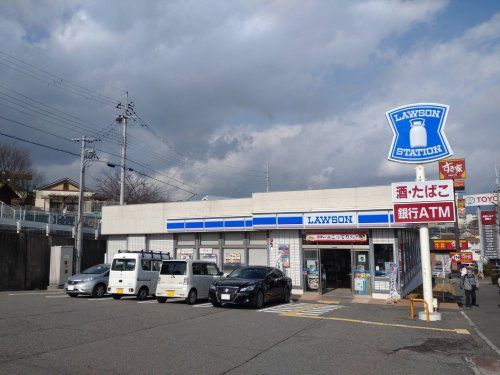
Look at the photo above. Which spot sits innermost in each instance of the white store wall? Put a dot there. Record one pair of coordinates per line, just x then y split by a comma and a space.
293, 240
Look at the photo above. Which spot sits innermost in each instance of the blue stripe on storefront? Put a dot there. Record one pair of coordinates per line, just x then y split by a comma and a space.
248, 223
290, 220
234, 224
372, 219
194, 225
391, 216
264, 221
214, 224
175, 225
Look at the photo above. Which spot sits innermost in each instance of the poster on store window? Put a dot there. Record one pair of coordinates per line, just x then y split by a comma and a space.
232, 258
283, 257
185, 254
208, 254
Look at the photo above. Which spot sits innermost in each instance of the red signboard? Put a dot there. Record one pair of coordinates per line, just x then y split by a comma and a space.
450, 169
337, 237
435, 212
459, 185
447, 245
462, 257
488, 217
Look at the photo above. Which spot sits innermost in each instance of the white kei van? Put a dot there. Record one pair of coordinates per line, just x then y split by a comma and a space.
188, 279
135, 273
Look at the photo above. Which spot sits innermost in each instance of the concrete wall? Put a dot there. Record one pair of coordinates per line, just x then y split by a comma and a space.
25, 258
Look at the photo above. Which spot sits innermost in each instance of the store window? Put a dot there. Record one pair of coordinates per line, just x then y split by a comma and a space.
257, 257
185, 253
383, 253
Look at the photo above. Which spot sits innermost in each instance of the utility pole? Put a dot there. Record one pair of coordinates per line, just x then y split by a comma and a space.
122, 119
267, 178
84, 155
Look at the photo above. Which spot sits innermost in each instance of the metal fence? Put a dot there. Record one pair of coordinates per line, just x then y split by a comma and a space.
50, 221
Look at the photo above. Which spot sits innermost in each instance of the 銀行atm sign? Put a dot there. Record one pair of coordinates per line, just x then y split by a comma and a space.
427, 212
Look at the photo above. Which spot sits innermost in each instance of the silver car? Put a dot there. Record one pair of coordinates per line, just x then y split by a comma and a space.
93, 281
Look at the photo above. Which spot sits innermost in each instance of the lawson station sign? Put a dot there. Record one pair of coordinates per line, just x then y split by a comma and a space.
418, 133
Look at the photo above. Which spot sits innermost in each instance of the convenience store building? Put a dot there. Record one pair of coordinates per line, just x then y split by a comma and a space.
325, 240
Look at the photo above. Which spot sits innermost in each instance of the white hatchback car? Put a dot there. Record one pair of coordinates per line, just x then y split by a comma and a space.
188, 279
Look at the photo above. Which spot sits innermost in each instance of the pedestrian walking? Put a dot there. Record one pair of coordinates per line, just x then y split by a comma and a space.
469, 284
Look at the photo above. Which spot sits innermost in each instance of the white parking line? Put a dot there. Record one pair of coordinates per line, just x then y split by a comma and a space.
208, 304
99, 299
147, 301
283, 308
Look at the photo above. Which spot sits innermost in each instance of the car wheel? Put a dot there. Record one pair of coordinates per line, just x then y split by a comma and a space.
99, 291
259, 300
142, 294
286, 295
161, 299
117, 296
191, 298
72, 294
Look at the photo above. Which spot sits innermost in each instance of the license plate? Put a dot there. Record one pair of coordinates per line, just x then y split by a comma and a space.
119, 290
170, 293
225, 297
71, 287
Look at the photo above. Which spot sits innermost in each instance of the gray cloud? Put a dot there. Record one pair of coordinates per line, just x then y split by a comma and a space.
234, 86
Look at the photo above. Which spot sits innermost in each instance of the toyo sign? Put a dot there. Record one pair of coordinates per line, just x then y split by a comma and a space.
418, 133
481, 199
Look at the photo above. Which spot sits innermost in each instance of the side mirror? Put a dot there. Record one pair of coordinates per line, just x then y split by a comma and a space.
220, 273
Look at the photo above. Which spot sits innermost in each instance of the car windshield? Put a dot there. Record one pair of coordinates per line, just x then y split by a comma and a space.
173, 268
123, 265
96, 270
249, 273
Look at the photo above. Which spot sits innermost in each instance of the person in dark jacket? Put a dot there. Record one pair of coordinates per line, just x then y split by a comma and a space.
469, 284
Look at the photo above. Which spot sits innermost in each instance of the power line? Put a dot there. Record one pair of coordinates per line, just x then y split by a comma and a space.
77, 155
57, 81
39, 144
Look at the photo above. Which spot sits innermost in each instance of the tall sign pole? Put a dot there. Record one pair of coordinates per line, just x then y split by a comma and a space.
419, 138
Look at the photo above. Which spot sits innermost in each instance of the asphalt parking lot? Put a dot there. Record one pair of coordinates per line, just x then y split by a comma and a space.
48, 333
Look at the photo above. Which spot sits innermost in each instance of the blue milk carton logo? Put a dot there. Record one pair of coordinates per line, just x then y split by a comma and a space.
418, 133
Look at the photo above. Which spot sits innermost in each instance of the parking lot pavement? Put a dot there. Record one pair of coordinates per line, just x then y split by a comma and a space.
49, 333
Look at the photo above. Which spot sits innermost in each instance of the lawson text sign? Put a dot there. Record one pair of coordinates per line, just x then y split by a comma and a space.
419, 133
329, 219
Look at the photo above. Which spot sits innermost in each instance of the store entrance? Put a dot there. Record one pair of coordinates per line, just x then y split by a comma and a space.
335, 269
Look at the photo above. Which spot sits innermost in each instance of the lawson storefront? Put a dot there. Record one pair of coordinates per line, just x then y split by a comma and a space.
357, 251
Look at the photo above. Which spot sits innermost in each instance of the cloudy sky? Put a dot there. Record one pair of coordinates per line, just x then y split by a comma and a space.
224, 88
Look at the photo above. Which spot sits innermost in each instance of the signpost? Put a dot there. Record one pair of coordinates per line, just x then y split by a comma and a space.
419, 138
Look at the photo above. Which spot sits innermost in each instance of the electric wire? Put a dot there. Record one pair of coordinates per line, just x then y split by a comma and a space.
102, 161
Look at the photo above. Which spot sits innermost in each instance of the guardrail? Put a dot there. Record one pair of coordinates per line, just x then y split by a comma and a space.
46, 220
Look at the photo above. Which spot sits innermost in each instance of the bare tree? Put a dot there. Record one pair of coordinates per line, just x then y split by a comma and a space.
16, 169
138, 189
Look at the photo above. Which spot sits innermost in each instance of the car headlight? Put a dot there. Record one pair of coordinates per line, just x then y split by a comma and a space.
247, 288
212, 287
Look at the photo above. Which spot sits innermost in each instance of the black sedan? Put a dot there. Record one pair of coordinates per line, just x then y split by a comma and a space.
251, 286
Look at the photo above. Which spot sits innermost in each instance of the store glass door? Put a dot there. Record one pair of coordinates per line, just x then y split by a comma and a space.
361, 283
